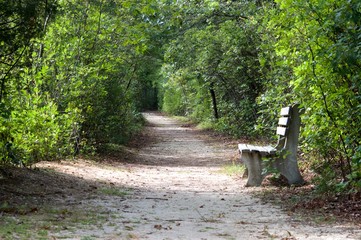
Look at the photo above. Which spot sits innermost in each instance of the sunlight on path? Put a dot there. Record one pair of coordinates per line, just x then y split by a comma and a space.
177, 191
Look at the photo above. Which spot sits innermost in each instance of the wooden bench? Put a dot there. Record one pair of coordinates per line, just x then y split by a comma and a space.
284, 155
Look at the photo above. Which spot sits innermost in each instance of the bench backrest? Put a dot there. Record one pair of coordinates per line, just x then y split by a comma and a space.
288, 132
288, 128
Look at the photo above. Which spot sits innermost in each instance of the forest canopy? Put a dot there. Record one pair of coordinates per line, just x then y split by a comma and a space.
76, 74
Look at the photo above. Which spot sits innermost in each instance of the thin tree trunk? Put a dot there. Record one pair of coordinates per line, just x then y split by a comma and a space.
214, 101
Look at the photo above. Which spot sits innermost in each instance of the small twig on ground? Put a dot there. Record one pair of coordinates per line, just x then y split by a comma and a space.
155, 198
202, 217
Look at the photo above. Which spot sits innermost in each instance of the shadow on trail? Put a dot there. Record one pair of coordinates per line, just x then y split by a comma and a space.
173, 190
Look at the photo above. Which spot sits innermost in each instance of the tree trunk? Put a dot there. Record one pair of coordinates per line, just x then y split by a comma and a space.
214, 101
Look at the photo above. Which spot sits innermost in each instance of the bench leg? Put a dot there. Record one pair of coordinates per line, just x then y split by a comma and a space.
288, 167
245, 174
253, 163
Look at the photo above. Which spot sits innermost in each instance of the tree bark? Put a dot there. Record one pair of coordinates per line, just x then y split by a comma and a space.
214, 101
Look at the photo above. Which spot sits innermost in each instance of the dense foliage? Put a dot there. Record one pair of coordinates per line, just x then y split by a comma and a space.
212, 68
74, 74
319, 42
235, 63
71, 75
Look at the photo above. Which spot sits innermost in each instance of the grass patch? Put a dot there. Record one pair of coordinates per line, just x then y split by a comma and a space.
71, 219
13, 228
182, 119
236, 169
208, 125
44, 223
207, 229
88, 238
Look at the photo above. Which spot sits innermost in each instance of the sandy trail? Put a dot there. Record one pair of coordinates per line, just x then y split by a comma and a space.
176, 190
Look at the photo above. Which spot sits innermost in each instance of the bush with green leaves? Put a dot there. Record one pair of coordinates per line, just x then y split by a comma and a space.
73, 78
312, 57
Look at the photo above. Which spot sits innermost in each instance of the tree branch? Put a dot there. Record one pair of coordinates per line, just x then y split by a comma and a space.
2, 87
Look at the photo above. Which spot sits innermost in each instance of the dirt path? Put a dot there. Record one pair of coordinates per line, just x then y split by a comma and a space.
174, 188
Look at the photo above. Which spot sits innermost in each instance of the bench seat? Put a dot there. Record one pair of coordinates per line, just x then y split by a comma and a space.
263, 150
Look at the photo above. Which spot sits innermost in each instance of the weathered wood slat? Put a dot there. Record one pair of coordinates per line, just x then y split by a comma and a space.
257, 148
281, 131
283, 121
285, 111
269, 149
242, 147
253, 148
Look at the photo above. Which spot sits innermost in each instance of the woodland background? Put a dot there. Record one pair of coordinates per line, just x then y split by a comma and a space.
75, 75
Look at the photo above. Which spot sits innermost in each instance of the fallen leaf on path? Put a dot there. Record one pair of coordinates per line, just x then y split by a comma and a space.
158, 226
242, 222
